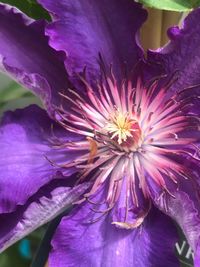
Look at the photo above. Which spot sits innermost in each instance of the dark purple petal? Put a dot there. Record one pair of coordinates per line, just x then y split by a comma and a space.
78, 242
43, 207
25, 147
182, 54
27, 57
85, 29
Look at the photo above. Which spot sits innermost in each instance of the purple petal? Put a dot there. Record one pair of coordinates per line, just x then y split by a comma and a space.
85, 29
43, 207
184, 207
78, 242
182, 53
27, 57
25, 147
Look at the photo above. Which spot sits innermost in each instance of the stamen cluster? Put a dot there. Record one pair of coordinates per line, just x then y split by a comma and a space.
130, 137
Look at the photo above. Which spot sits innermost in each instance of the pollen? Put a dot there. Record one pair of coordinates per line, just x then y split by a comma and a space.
121, 127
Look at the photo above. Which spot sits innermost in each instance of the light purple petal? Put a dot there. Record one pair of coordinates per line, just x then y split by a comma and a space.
25, 154
44, 206
83, 29
26, 56
78, 242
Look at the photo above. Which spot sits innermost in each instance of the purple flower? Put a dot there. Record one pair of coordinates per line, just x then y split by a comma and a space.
119, 141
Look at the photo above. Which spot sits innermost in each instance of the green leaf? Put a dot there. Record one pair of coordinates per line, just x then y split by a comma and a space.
173, 5
29, 7
12, 91
11, 257
13, 96
21, 102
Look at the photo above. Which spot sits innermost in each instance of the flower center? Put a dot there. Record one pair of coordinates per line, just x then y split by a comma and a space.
130, 137
124, 129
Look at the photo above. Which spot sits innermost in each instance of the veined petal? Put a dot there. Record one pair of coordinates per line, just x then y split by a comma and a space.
43, 207
78, 242
26, 56
25, 149
85, 29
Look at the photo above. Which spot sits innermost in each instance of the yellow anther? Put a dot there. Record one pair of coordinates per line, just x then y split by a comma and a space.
120, 126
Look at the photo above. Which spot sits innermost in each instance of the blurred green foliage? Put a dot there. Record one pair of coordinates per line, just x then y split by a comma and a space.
13, 257
13, 96
173, 5
29, 7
